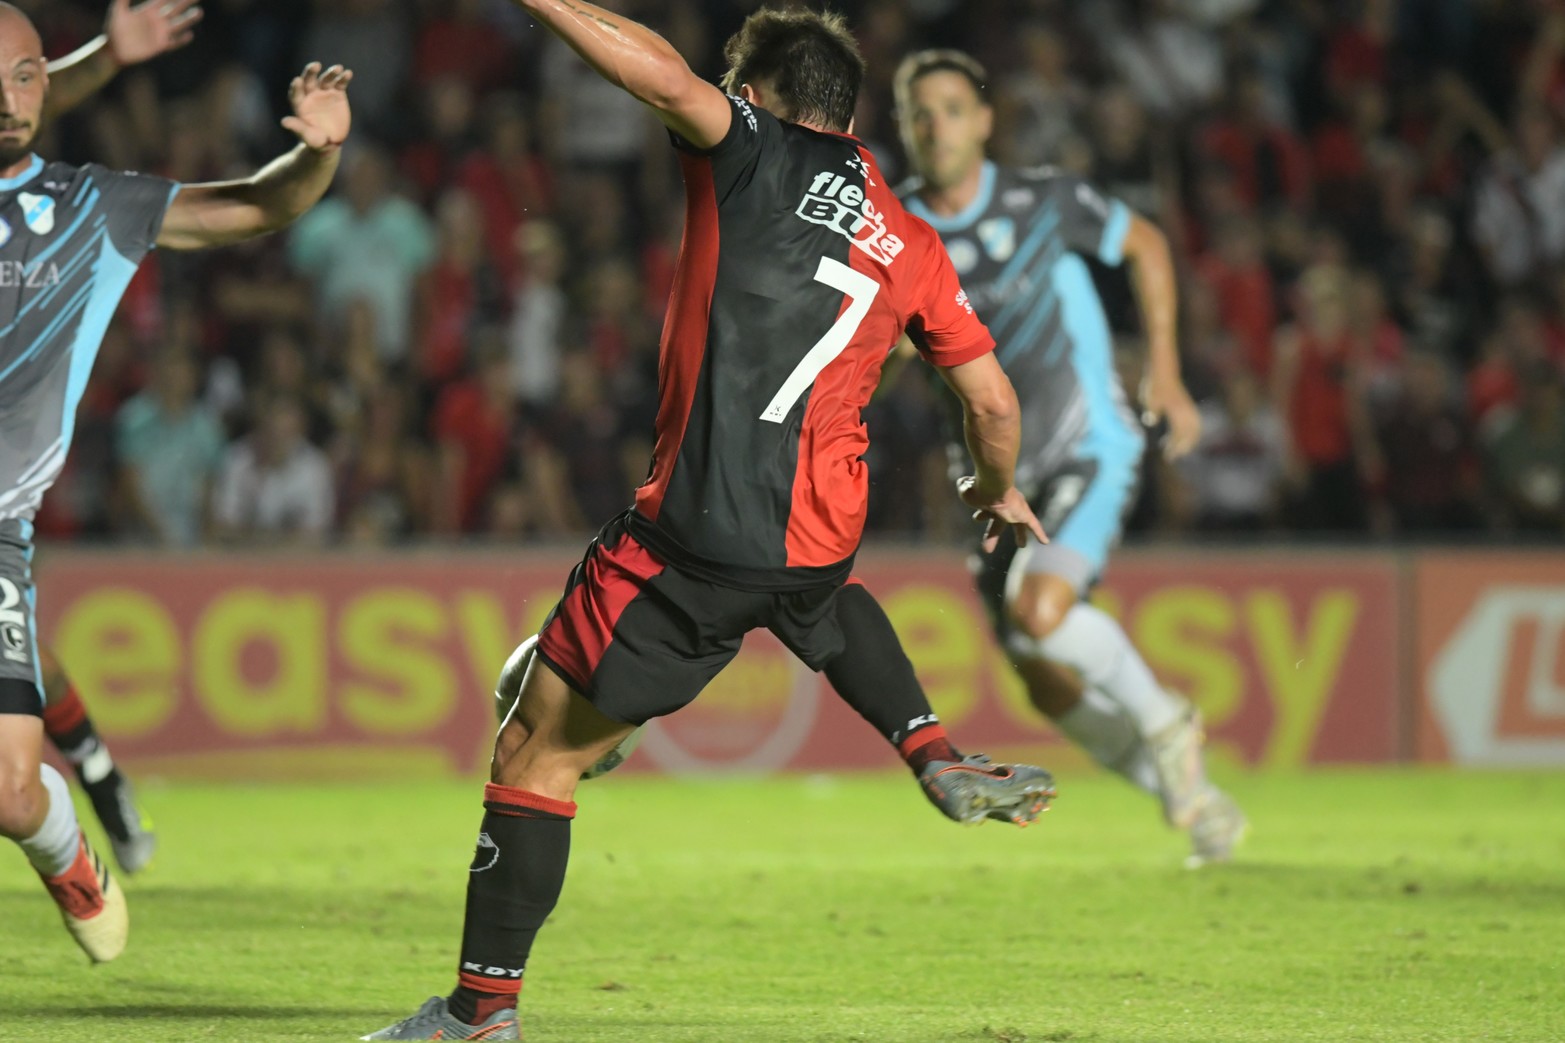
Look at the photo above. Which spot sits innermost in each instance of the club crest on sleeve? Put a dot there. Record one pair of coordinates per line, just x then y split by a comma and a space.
37, 211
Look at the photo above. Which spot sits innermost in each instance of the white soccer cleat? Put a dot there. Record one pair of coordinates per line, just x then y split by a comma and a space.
1181, 770
1219, 827
92, 905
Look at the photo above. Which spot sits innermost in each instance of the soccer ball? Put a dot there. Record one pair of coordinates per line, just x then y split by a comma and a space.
509, 688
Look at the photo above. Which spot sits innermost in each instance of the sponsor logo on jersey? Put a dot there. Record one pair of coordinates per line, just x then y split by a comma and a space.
749, 113
998, 234
963, 254
37, 211
13, 624
962, 301
844, 208
1017, 198
27, 274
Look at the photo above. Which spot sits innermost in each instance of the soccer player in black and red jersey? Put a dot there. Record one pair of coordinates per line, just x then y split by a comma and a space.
798, 273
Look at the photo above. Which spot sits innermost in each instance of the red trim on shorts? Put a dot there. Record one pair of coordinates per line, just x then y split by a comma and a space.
582, 627
921, 738
497, 986
682, 347
511, 797
66, 715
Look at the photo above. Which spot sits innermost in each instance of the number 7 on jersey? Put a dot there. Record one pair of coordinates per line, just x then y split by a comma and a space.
861, 291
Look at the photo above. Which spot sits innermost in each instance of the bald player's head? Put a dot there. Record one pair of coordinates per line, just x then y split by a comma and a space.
24, 81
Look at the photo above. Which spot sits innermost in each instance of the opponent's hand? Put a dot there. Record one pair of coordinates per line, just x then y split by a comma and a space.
141, 33
1165, 396
1010, 510
320, 106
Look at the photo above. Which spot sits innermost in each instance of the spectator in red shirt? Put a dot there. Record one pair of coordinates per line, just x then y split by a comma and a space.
460, 292
1269, 162
461, 42
511, 183
474, 427
1318, 386
1237, 272
1431, 474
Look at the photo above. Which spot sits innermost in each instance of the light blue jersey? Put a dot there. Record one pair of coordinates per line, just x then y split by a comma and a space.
70, 240
1016, 249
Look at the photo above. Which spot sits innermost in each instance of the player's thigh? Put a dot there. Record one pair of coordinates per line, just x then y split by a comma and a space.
1085, 505
552, 736
638, 639
21, 679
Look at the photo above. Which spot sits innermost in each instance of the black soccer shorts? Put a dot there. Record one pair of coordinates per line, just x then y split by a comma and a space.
640, 639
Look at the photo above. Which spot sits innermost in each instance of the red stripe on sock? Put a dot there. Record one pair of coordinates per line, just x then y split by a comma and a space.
64, 716
491, 986
921, 738
510, 796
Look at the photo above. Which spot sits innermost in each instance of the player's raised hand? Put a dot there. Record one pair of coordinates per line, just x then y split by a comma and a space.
320, 106
1165, 397
141, 33
1010, 510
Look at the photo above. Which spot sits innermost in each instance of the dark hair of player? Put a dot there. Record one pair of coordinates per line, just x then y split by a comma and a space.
808, 59
921, 63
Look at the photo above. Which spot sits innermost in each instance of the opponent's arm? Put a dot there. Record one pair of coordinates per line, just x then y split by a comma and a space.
991, 424
131, 35
1157, 297
225, 212
635, 58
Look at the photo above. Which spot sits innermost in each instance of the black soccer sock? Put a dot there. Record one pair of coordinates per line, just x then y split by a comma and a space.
876, 678
70, 729
512, 887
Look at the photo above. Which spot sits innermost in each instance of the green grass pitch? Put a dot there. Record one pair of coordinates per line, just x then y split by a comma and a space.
1402, 906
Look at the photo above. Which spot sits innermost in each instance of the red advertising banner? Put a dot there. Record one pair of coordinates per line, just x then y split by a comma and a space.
312, 666
1491, 658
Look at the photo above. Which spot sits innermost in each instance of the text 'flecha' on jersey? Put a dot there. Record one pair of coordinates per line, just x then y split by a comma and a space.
799, 271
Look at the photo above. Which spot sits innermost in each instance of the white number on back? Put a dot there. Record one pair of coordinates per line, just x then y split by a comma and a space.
861, 290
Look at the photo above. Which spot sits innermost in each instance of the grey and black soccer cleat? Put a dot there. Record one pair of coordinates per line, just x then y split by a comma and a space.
975, 788
434, 1021
1217, 829
1181, 767
128, 827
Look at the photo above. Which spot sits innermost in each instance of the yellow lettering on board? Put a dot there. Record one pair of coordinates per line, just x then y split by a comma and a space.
386, 636
122, 649
489, 637
945, 640
1299, 673
1186, 635
293, 699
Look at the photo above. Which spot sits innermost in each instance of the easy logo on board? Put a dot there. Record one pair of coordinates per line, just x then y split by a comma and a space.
38, 212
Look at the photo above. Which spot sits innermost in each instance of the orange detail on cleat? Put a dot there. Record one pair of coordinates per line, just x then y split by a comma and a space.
79, 890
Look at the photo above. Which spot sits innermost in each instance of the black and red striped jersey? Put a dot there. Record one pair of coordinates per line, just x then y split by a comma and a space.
798, 272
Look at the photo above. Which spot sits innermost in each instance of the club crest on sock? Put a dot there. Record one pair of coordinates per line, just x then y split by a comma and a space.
486, 855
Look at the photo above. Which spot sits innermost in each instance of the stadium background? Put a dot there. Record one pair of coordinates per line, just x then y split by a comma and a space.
447, 369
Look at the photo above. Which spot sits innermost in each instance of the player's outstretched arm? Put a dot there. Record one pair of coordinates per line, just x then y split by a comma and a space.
637, 59
131, 35
1157, 296
219, 213
991, 421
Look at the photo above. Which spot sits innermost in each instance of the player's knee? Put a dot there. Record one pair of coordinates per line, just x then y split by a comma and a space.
23, 801
1038, 611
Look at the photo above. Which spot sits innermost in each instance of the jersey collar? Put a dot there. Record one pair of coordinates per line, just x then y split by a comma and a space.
972, 212
34, 168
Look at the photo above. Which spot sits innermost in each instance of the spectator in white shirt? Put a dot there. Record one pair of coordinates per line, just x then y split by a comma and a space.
274, 486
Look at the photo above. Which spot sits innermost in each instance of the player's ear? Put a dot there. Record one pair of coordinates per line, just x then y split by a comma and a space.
751, 95
985, 122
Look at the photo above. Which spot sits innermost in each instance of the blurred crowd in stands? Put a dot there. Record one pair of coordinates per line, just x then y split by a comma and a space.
1366, 201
